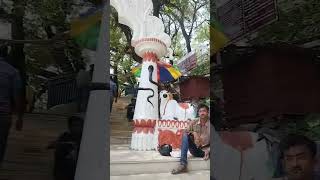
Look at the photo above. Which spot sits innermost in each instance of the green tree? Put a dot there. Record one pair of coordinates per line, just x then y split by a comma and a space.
34, 23
190, 15
298, 23
193, 17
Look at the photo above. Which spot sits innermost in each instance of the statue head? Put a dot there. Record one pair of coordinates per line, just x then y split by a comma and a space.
165, 96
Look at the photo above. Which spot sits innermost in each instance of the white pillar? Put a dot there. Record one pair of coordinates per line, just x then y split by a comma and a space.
93, 156
150, 43
146, 112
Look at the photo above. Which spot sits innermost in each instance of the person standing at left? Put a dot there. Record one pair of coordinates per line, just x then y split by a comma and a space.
10, 99
113, 92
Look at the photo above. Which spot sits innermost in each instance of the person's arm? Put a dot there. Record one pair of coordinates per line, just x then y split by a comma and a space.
18, 99
207, 150
204, 140
197, 139
206, 154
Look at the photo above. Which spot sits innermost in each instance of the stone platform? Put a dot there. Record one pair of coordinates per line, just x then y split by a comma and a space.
138, 165
125, 162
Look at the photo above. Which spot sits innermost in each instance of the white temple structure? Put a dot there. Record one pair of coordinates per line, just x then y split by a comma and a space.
150, 43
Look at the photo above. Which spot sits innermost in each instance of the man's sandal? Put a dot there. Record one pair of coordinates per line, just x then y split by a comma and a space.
181, 169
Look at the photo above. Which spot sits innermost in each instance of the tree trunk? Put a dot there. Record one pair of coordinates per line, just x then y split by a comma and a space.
156, 7
188, 43
185, 35
17, 55
127, 31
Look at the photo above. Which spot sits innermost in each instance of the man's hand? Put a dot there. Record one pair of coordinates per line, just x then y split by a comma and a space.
197, 139
206, 155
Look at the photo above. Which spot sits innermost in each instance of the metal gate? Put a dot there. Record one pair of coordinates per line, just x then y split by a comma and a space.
62, 90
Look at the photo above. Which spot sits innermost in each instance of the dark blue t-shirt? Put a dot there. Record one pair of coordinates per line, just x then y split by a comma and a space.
10, 86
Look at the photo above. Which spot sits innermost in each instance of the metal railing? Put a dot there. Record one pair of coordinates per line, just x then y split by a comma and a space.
62, 90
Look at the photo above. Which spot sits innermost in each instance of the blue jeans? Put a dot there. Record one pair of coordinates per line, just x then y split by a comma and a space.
188, 144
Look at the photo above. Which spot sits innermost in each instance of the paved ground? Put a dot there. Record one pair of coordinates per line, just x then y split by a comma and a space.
197, 175
27, 156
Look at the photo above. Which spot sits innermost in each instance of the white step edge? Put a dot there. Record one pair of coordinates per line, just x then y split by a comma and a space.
120, 168
193, 175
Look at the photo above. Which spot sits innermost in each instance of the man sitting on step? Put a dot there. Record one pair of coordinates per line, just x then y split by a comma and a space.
196, 139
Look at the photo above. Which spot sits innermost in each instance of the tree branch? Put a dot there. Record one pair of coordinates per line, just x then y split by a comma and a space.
127, 31
170, 4
198, 25
175, 32
184, 32
175, 27
157, 4
195, 10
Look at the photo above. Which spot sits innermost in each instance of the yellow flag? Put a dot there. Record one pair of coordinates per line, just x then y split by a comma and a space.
218, 39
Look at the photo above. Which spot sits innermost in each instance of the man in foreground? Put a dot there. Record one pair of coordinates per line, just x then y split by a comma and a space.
196, 139
299, 158
10, 99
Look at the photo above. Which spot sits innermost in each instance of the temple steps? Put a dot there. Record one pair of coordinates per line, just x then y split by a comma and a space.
199, 175
124, 162
118, 140
121, 129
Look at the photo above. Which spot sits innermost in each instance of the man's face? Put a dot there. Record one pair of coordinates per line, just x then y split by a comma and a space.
203, 113
298, 162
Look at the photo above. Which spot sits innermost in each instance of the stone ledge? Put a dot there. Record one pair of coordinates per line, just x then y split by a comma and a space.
126, 162
200, 175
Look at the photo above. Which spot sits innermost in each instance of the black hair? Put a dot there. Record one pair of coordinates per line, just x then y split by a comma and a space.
298, 140
203, 106
3, 50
